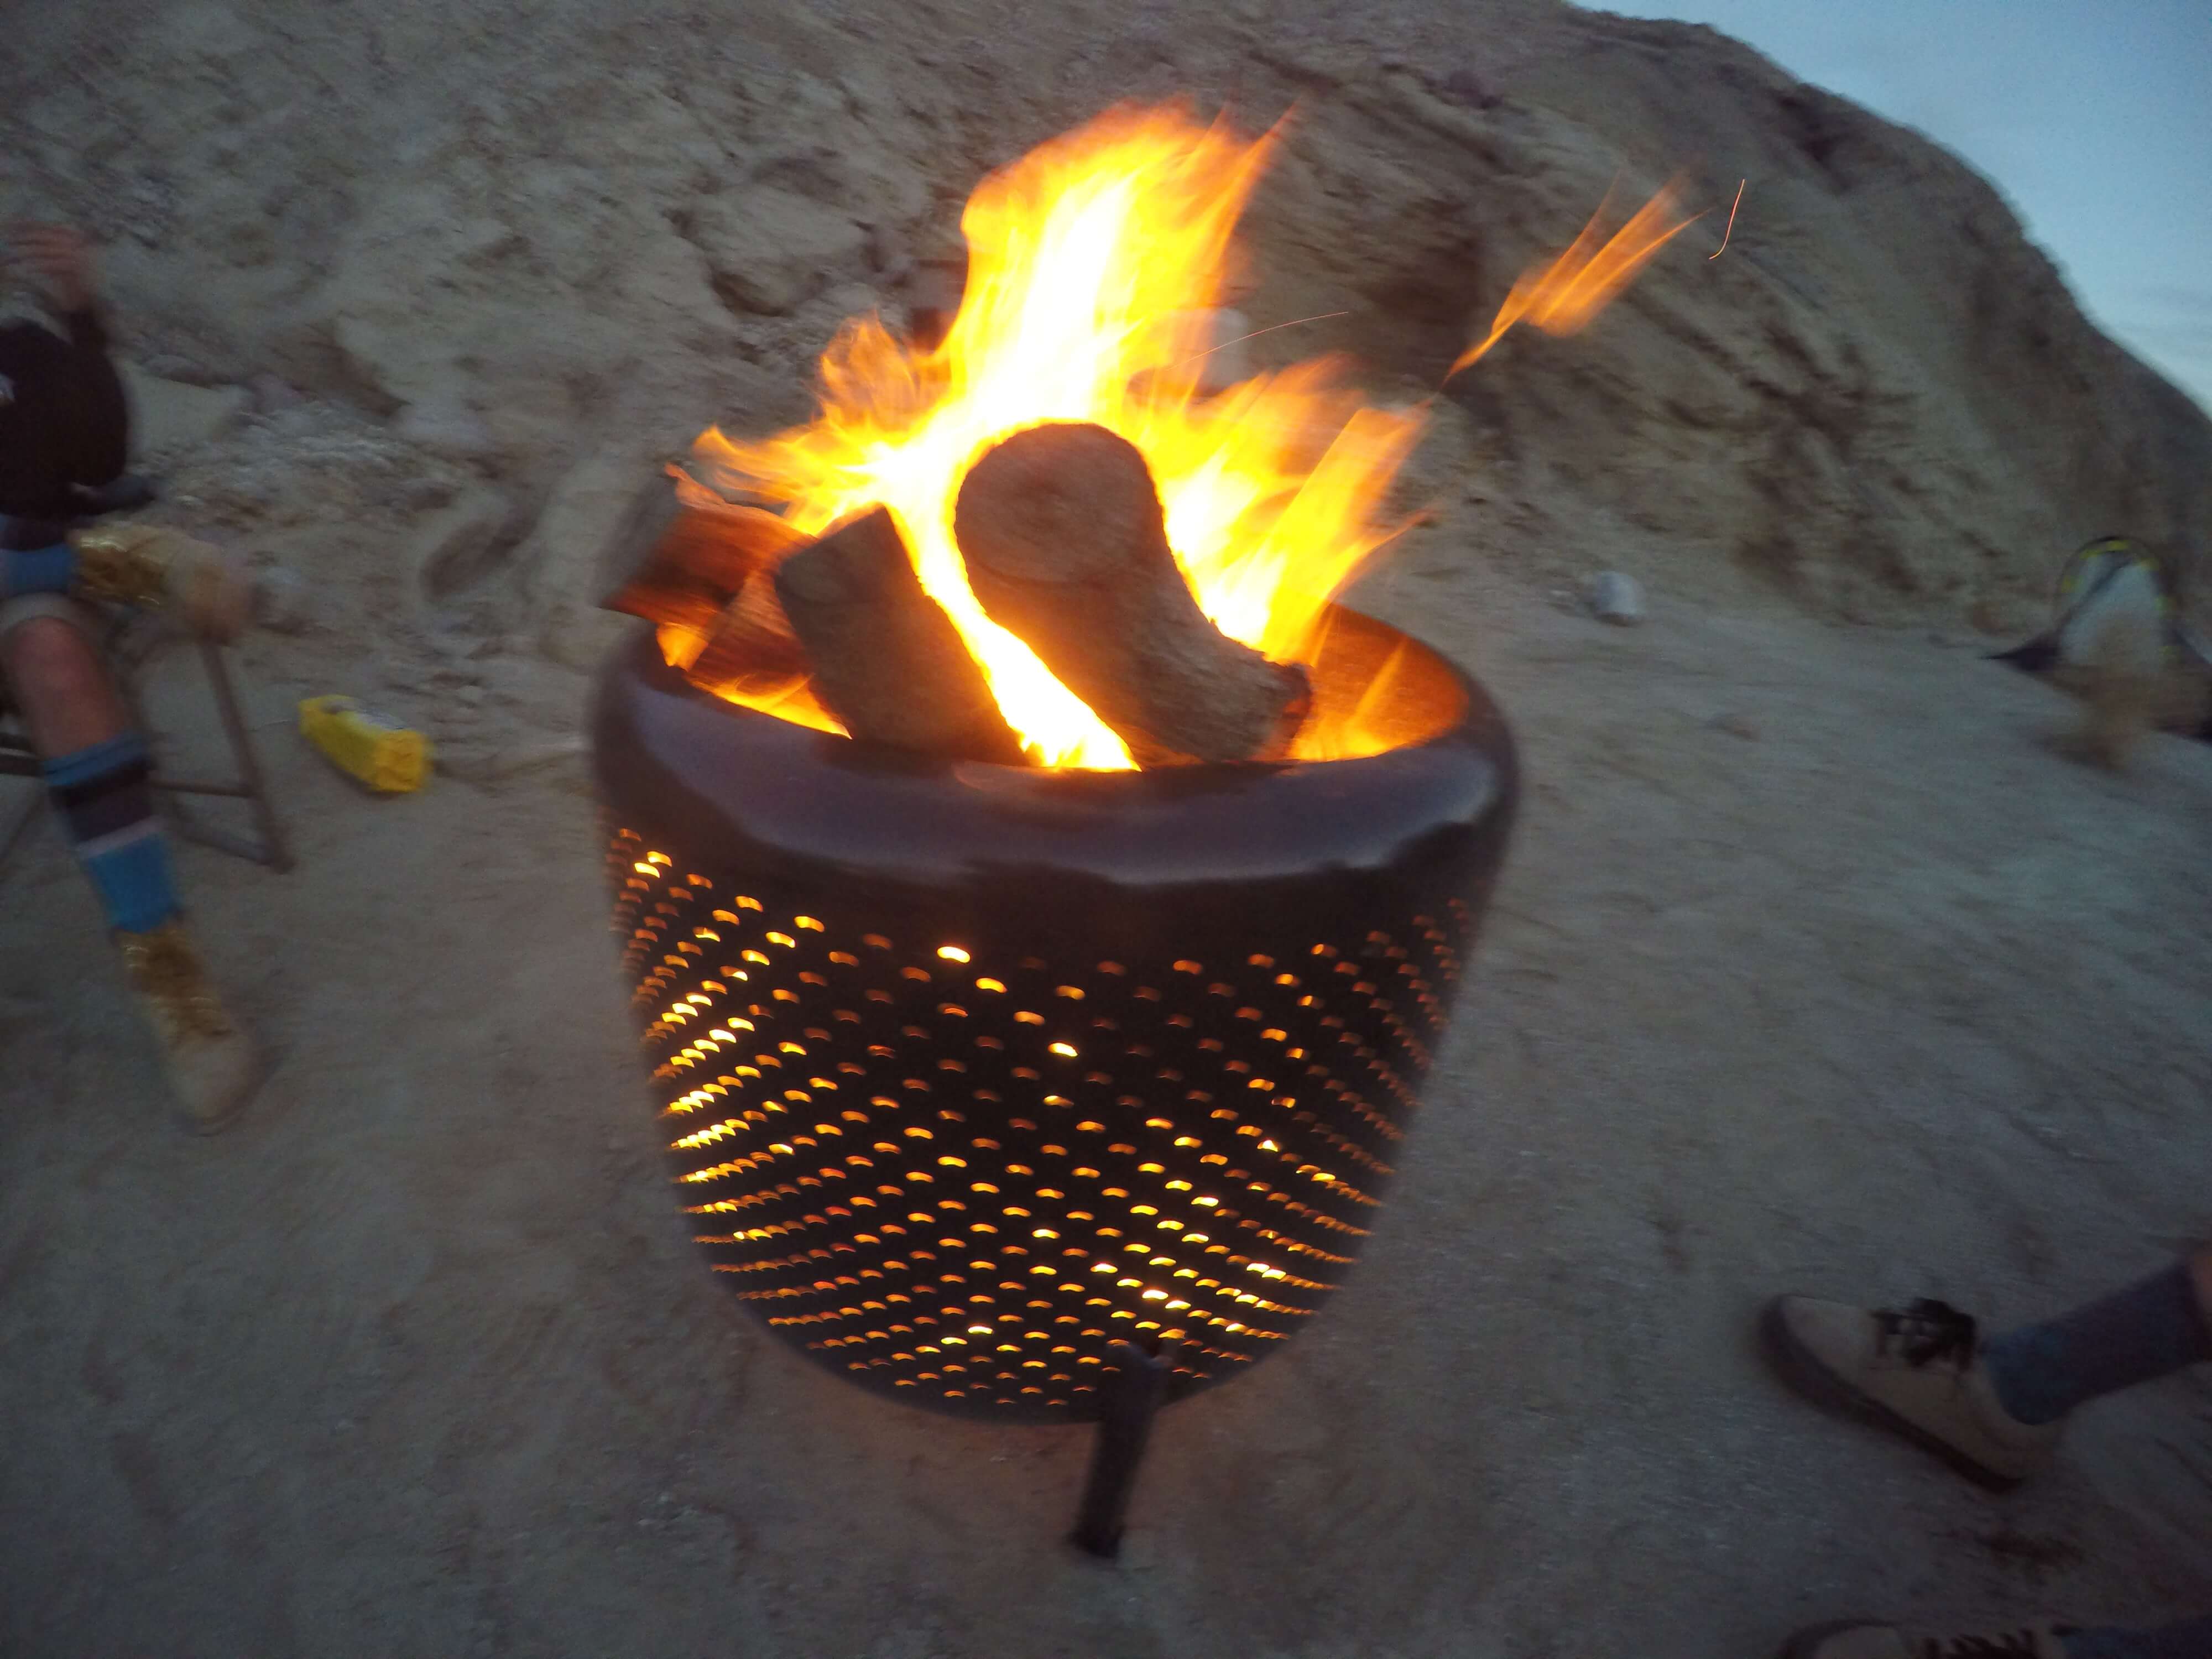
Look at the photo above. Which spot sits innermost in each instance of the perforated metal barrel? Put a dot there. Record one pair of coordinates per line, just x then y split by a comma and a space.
967, 1071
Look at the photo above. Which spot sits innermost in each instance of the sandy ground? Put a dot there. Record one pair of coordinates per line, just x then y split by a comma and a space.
1814, 969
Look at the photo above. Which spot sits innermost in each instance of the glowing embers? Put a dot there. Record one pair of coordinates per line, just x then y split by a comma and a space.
961, 1174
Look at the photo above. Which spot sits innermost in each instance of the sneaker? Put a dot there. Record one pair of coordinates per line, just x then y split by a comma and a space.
210, 1059
1917, 1371
1853, 1639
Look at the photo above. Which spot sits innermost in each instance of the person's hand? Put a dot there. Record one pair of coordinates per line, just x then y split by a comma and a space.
60, 258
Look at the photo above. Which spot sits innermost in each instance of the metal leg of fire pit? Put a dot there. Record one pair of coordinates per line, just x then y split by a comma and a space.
1133, 1391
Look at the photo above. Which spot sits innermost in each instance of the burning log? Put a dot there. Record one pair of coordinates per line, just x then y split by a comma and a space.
888, 662
751, 642
669, 561
1062, 533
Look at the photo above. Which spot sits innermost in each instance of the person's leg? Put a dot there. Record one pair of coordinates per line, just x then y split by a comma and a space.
96, 767
97, 772
1993, 1409
68, 699
2159, 1325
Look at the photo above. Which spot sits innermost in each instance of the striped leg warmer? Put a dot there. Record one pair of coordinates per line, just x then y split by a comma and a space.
106, 802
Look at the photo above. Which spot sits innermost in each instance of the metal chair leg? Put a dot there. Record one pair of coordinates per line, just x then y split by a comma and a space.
270, 848
278, 854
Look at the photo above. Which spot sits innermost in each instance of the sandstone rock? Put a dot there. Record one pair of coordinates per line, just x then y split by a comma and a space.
770, 249
379, 363
281, 601
447, 425
1614, 598
559, 556
460, 544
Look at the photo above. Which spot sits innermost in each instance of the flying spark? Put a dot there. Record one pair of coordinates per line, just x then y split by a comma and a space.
1730, 231
1322, 317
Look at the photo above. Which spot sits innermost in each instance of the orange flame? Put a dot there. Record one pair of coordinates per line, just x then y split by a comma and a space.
1563, 296
1088, 261
1092, 263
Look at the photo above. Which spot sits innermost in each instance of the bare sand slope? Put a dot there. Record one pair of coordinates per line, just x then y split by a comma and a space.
536, 238
1814, 969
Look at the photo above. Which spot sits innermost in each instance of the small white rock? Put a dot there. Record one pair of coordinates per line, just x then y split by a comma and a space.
1615, 598
280, 601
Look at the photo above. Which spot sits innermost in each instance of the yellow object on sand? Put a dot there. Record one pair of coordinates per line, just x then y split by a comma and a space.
386, 757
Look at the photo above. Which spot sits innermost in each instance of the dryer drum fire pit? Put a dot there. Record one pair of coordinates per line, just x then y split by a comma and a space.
970, 1071
1040, 900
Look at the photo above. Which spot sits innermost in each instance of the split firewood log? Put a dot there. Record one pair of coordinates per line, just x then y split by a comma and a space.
888, 662
669, 561
1061, 530
751, 642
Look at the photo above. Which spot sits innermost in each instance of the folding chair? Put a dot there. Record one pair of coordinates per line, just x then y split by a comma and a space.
19, 759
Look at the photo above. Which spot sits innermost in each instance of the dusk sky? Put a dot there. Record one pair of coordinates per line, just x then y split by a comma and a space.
2093, 116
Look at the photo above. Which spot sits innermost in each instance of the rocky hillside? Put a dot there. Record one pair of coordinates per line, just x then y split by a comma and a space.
474, 261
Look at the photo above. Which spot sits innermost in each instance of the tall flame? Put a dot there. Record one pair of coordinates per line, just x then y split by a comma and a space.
1088, 260
1563, 296
1093, 262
